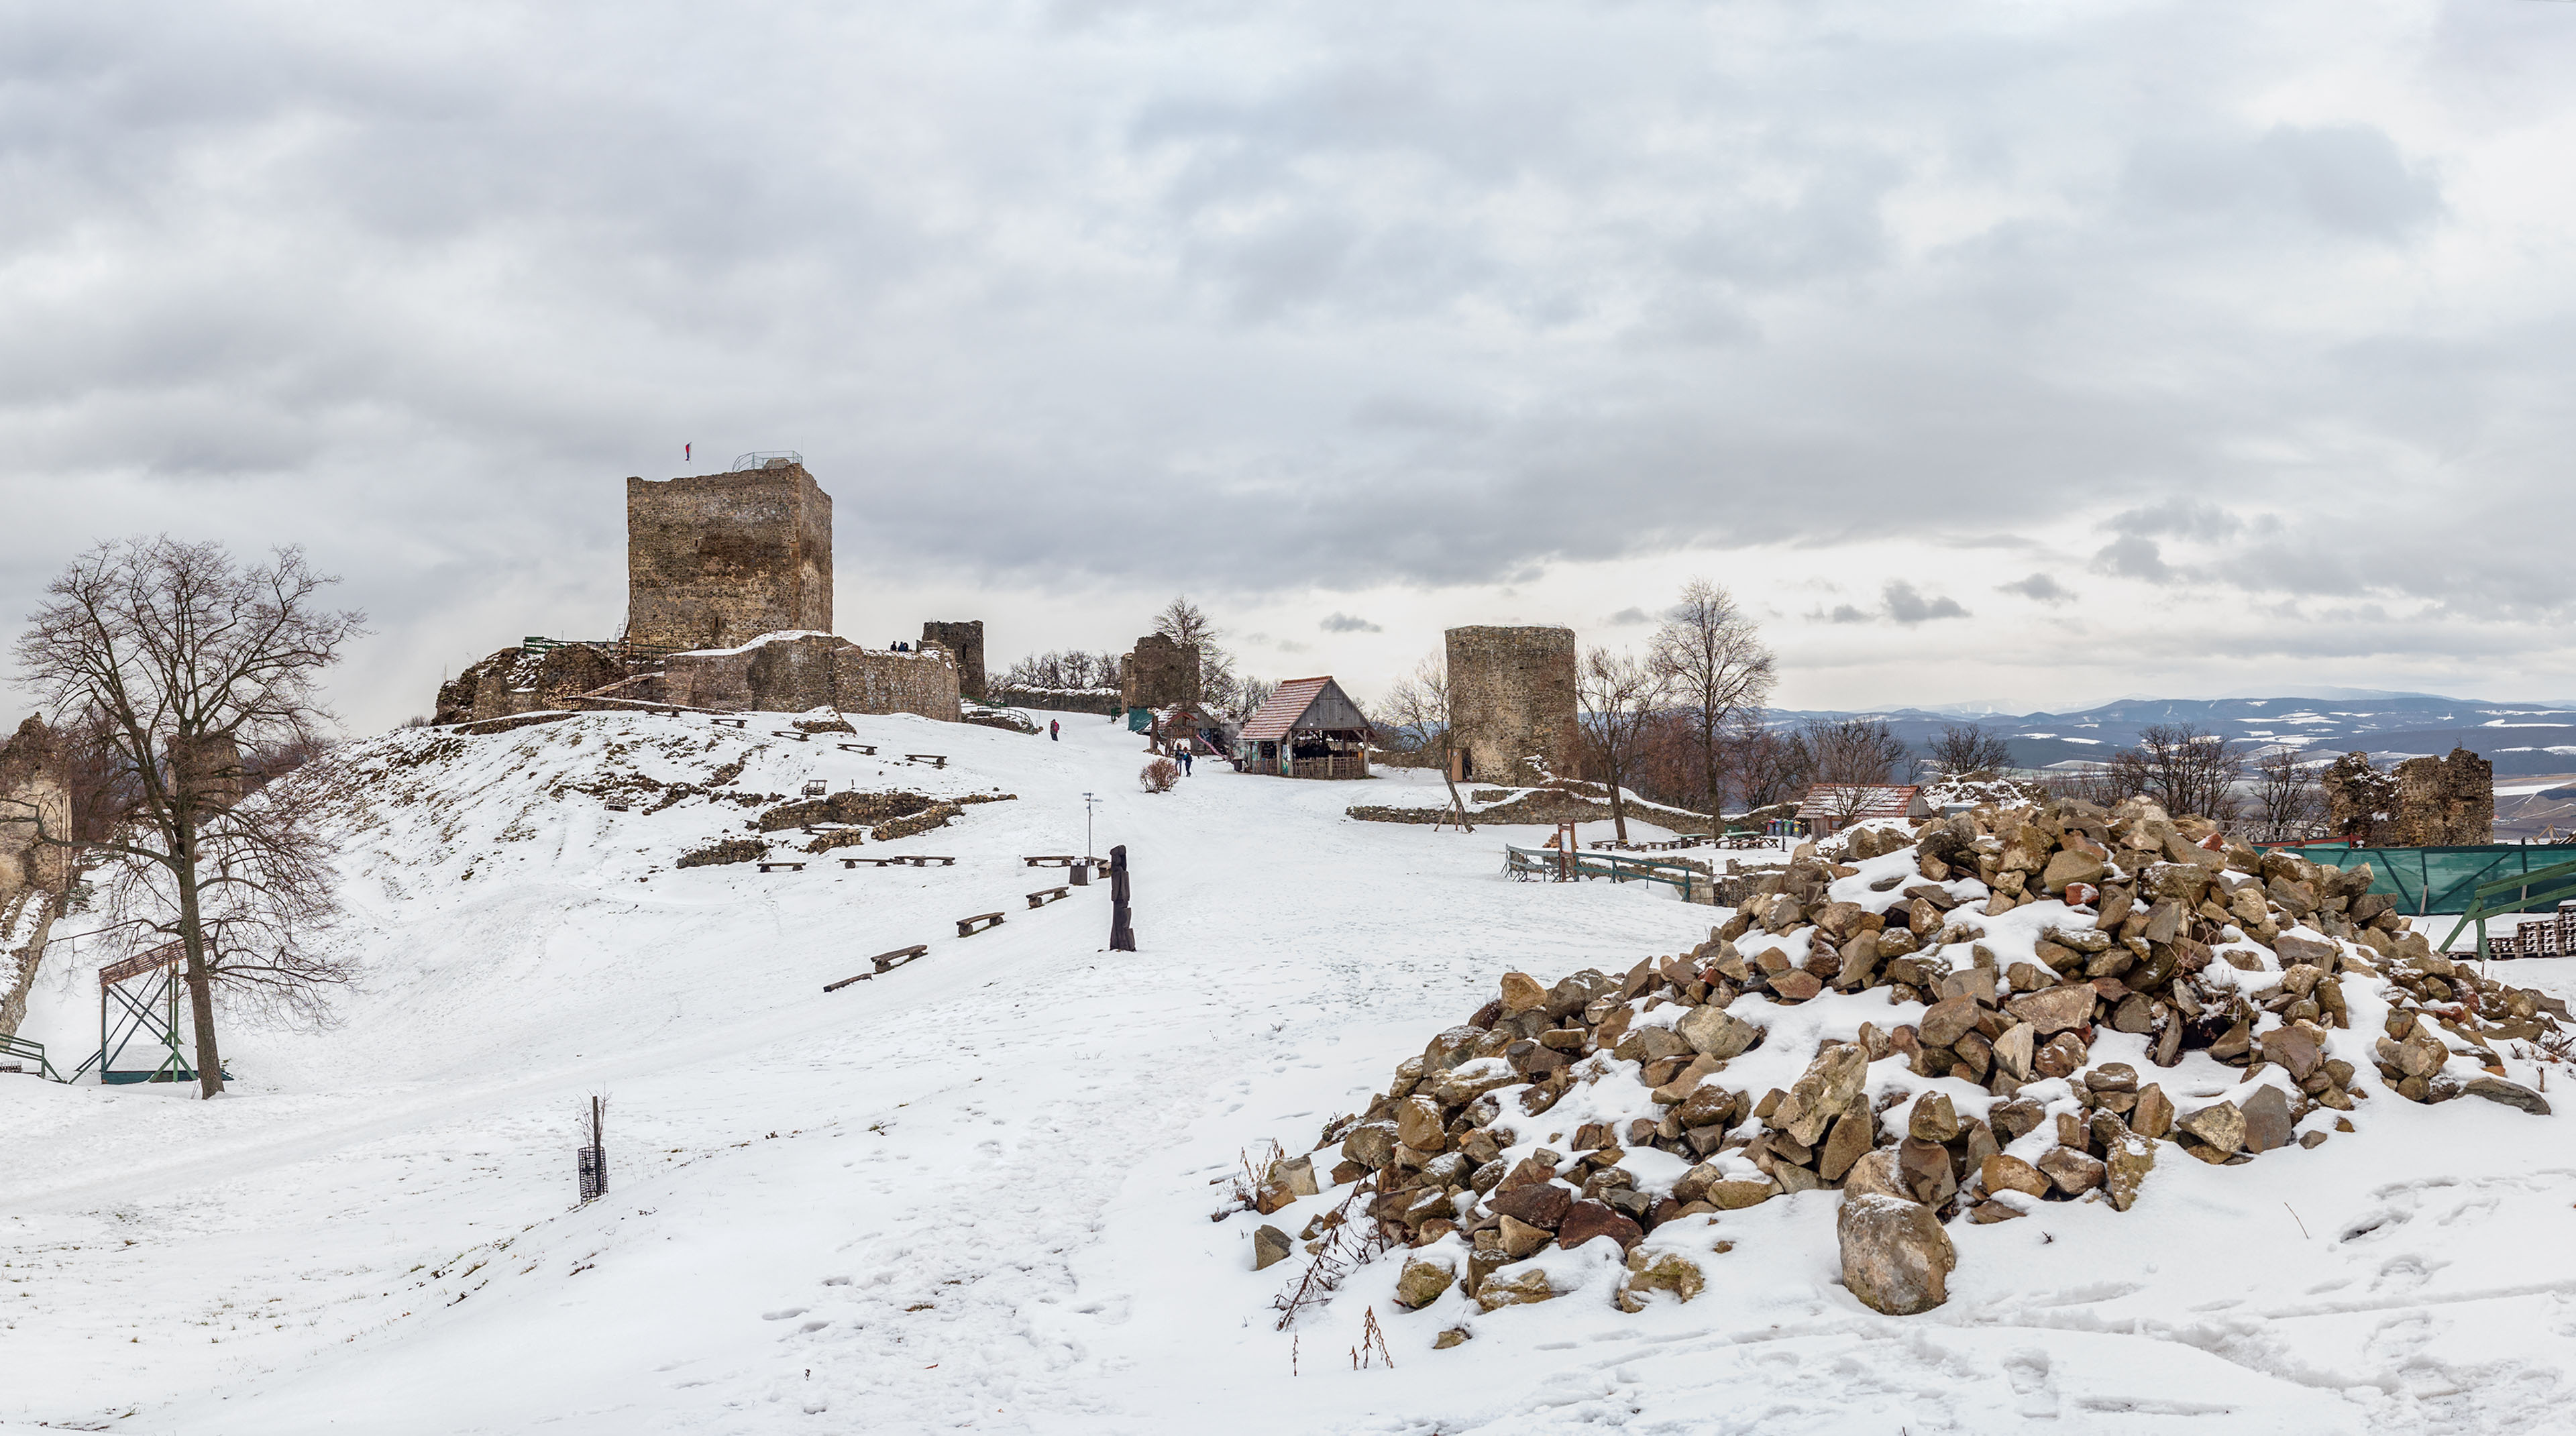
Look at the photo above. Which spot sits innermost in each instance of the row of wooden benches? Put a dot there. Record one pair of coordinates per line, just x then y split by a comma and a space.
936, 760
886, 962
923, 860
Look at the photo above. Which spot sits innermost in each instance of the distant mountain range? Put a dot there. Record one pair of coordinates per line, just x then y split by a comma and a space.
2519, 738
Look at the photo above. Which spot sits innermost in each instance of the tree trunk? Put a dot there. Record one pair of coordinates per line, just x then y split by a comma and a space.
1618, 809
1708, 757
201, 991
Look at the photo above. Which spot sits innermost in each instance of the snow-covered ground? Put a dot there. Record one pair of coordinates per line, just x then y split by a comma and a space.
975, 1193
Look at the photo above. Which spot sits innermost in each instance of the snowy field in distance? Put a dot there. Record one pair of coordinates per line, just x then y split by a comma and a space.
975, 1194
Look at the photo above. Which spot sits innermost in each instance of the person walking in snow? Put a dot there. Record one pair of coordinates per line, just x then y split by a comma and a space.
1055, 730
1184, 751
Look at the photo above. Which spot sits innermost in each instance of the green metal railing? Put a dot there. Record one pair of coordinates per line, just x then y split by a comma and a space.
21, 1048
1617, 867
2431, 880
2541, 888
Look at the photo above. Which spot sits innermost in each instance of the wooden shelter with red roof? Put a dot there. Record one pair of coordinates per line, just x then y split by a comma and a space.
1310, 728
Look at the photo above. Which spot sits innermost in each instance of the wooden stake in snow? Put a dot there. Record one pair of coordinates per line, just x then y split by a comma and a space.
592, 1160
1122, 929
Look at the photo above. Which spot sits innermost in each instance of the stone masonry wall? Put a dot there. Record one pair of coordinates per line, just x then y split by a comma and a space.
1512, 695
966, 640
792, 675
33, 876
715, 560
1159, 673
2444, 802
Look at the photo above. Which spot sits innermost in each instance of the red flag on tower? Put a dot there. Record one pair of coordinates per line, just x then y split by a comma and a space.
687, 452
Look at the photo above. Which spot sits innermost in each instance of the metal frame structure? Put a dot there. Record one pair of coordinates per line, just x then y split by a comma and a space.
124, 1015
2514, 895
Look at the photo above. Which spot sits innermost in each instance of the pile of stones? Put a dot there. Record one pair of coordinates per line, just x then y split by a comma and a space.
2036, 967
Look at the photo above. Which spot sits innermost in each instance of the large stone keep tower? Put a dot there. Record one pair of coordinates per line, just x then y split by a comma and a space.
717, 559
1511, 693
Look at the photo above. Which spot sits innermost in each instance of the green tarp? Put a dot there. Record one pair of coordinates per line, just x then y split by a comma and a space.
2428, 880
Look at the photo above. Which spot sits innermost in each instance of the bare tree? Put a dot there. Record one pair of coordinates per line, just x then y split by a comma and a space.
1620, 694
2184, 769
1714, 659
1769, 767
183, 662
1964, 748
1417, 713
1220, 690
1848, 757
2287, 799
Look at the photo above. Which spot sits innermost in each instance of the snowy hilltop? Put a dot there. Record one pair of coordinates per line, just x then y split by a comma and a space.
1021, 1183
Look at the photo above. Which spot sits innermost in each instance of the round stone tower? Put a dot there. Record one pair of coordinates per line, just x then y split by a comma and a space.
1511, 693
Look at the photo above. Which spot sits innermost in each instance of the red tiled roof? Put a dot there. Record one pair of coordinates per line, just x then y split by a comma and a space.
1287, 703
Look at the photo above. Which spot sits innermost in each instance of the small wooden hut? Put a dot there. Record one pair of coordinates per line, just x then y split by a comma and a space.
1310, 728
1832, 807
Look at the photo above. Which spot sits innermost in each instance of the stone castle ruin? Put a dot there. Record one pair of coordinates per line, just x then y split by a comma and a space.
2423, 803
716, 560
729, 608
1160, 673
966, 641
1512, 697
34, 876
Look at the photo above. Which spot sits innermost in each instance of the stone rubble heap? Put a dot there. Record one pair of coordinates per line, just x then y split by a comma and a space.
2038, 965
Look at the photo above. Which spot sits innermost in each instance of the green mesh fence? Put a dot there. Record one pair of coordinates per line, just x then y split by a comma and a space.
2428, 880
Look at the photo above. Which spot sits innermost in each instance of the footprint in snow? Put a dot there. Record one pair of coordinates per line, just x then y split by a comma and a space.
2032, 1381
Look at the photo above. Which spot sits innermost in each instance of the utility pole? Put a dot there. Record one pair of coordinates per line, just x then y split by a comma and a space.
1088, 803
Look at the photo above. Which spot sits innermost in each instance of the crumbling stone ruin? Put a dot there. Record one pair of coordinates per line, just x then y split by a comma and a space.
2423, 803
966, 641
1512, 695
2034, 970
1160, 673
35, 797
782, 675
716, 560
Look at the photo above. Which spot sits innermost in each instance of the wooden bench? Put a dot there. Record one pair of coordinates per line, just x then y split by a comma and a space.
918, 860
885, 962
816, 787
791, 867
969, 926
729, 722
1065, 861
618, 808
800, 737
935, 760
1043, 896
868, 748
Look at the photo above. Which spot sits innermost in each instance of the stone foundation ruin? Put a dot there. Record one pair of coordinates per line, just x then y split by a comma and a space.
1512, 695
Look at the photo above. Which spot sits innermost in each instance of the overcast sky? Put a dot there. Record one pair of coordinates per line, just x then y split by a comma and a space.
2025, 353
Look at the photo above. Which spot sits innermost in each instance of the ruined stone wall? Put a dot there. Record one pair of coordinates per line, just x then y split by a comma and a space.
1159, 673
966, 641
516, 680
1512, 695
2444, 802
34, 796
715, 560
792, 675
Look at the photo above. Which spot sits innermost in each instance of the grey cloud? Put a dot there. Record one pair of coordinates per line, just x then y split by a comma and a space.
2348, 178
2040, 587
1627, 617
1845, 613
2133, 557
1346, 623
2180, 518
1905, 605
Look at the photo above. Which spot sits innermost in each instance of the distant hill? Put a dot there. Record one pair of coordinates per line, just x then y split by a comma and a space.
2519, 738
